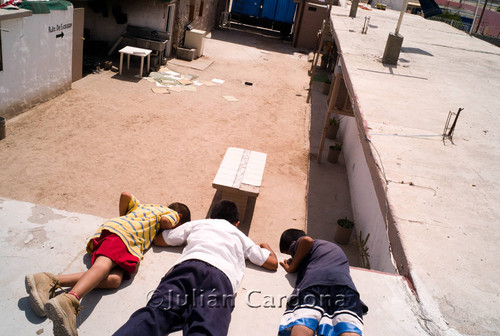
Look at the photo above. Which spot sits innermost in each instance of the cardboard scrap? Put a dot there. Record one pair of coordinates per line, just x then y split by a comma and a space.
185, 81
200, 63
169, 72
160, 90
190, 88
176, 89
230, 98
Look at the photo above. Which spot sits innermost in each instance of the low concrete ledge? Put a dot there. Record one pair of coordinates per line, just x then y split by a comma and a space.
9, 14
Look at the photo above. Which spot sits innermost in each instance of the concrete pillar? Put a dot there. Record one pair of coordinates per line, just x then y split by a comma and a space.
354, 8
392, 49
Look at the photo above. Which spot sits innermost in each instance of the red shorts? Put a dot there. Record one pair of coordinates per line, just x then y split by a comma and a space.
111, 246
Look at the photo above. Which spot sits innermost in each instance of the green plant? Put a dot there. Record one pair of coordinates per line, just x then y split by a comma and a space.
450, 16
320, 76
334, 122
337, 147
345, 223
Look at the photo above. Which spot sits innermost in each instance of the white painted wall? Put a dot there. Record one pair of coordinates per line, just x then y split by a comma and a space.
396, 5
36, 64
365, 208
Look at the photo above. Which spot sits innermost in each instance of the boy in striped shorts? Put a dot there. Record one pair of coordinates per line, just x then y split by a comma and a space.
116, 248
325, 300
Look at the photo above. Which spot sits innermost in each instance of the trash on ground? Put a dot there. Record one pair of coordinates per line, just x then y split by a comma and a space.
176, 89
163, 90
230, 98
208, 83
218, 81
190, 88
185, 81
167, 81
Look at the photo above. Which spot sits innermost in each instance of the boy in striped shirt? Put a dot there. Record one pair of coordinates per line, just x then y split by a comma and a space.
117, 247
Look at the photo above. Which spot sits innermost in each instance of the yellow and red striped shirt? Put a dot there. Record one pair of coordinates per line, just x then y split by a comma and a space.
138, 227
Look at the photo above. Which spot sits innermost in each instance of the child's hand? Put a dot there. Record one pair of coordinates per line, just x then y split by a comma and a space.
286, 265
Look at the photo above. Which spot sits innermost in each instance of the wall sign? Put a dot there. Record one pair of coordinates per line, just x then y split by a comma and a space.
59, 29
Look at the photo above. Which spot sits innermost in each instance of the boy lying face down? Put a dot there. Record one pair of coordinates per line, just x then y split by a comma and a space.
117, 247
196, 295
324, 299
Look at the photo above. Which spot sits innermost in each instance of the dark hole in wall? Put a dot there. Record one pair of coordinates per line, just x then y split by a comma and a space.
202, 5
191, 10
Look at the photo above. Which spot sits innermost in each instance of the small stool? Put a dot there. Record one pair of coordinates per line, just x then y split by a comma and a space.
240, 176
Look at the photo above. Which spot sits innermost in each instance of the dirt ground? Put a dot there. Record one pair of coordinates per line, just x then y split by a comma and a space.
111, 133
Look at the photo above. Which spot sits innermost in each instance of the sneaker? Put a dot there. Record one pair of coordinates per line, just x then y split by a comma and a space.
62, 310
40, 287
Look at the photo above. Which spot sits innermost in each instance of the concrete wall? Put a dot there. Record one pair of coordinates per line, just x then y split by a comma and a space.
310, 18
365, 207
396, 5
36, 64
150, 14
490, 24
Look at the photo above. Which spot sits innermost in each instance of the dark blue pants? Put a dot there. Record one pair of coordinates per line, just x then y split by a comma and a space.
193, 296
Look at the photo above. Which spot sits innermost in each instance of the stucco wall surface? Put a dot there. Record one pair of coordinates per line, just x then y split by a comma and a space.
36, 60
366, 211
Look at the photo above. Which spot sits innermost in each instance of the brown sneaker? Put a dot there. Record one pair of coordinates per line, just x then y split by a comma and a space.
40, 287
62, 310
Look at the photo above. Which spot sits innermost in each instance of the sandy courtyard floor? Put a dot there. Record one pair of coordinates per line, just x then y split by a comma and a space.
111, 133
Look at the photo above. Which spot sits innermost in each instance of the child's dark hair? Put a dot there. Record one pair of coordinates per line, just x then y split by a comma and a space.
182, 210
225, 210
288, 237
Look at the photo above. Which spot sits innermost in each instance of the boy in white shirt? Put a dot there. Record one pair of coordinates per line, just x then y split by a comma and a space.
197, 294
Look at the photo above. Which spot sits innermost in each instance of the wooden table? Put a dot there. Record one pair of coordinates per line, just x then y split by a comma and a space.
240, 176
135, 52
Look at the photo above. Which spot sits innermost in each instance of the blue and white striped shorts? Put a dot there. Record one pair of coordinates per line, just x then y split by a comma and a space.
328, 310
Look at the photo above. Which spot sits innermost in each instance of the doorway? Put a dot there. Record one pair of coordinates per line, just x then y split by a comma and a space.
169, 27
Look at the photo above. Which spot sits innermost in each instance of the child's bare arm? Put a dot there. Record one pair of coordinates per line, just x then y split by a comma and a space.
125, 199
303, 247
158, 240
272, 261
166, 224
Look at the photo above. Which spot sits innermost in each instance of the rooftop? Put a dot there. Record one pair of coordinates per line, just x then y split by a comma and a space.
65, 162
442, 195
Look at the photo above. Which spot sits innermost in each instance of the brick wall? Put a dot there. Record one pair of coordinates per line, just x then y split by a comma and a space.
201, 14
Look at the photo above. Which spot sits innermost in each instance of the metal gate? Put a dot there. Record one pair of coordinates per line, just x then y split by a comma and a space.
267, 13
